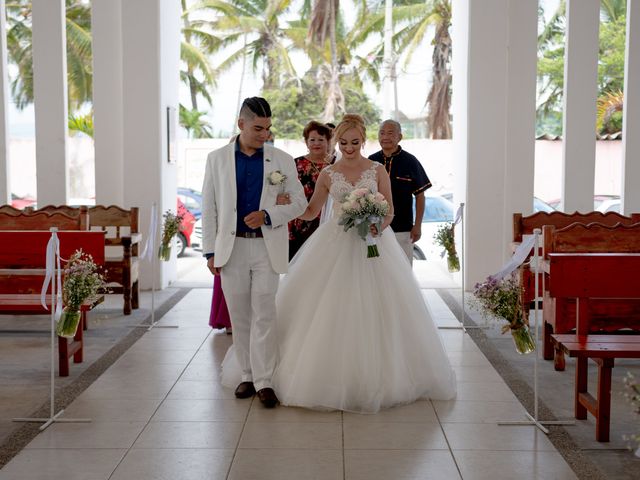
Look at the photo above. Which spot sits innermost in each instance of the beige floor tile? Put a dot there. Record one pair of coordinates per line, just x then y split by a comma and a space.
143, 373
393, 436
174, 464
490, 465
304, 435
184, 332
399, 465
170, 343
203, 371
475, 391
468, 359
202, 411
487, 436
420, 411
459, 411
117, 388
258, 413
459, 343
482, 374
287, 464
88, 435
199, 390
206, 435
115, 409
68, 464
151, 358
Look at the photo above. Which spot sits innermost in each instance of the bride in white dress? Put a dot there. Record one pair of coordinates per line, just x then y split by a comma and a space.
354, 333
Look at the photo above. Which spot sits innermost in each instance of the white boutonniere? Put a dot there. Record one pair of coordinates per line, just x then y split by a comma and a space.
276, 177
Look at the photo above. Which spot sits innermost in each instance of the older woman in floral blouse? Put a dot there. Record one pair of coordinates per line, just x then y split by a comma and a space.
317, 136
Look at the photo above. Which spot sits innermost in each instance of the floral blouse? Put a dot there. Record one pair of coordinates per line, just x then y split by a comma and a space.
308, 173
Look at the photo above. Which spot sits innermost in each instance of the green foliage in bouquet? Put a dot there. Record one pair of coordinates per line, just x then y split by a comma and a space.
171, 227
445, 238
502, 300
81, 282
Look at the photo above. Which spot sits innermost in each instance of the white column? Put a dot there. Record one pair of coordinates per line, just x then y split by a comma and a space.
580, 95
151, 53
631, 113
521, 111
5, 173
106, 28
486, 124
50, 100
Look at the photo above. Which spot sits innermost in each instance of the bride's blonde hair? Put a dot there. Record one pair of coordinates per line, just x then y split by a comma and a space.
349, 121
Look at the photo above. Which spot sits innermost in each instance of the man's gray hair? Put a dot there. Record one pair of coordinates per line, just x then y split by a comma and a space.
392, 122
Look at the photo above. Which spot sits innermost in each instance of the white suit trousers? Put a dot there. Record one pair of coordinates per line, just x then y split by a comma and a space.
250, 286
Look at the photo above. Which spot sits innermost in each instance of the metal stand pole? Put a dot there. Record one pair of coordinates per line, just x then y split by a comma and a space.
151, 244
53, 417
462, 326
534, 420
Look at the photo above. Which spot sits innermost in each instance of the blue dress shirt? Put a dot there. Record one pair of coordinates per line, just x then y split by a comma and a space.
249, 179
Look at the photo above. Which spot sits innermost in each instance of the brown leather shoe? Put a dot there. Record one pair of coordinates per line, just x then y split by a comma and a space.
267, 397
245, 390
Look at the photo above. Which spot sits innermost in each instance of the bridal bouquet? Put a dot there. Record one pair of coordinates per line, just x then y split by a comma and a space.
360, 209
170, 229
81, 282
501, 299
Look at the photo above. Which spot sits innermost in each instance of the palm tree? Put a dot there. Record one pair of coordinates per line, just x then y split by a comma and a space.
322, 27
414, 17
197, 46
20, 52
193, 123
267, 41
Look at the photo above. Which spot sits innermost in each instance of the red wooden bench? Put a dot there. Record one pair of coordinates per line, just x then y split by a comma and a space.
525, 225
22, 269
609, 314
589, 277
122, 239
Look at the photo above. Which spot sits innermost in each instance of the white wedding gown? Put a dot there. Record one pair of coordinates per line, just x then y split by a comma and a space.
354, 332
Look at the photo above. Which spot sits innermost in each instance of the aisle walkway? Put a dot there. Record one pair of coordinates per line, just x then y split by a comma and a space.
159, 412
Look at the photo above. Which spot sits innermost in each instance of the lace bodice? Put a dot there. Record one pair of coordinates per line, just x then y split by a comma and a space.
340, 186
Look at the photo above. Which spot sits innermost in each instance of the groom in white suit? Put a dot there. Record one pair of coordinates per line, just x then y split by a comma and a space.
245, 239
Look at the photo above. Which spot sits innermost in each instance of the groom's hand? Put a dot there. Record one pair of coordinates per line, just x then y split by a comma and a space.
255, 219
212, 269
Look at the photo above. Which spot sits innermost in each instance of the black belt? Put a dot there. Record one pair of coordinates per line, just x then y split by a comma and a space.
256, 234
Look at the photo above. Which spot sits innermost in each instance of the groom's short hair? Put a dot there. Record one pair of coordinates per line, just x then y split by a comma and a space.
255, 107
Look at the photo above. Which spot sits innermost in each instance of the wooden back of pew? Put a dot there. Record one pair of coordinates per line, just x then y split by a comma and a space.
525, 225
591, 238
42, 221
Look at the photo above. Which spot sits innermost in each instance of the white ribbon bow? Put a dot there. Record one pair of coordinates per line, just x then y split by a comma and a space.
52, 263
519, 256
150, 244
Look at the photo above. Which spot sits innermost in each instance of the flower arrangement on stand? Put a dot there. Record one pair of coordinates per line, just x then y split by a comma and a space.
171, 227
633, 395
445, 238
502, 299
360, 209
81, 282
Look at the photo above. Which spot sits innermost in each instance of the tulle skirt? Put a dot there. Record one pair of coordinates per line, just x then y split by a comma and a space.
354, 333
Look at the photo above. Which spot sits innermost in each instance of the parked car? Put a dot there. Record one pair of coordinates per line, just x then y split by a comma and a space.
22, 202
183, 239
597, 201
192, 199
541, 206
611, 205
437, 211
196, 238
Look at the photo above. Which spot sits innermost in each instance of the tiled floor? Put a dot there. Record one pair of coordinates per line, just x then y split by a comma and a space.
159, 412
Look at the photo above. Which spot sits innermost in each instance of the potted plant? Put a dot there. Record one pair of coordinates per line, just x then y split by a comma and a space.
81, 282
502, 300
445, 238
170, 229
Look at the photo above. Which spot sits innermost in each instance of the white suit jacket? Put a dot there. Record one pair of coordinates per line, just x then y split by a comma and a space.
219, 200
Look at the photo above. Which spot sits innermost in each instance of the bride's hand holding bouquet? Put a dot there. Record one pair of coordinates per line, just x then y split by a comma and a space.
365, 211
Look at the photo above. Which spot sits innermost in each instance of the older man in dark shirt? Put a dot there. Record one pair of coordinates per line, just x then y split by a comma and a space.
408, 180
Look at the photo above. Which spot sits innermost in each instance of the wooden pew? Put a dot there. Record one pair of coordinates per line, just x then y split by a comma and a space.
608, 314
22, 269
525, 225
121, 242
42, 221
589, 278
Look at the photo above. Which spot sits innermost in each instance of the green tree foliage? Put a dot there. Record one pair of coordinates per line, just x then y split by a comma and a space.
551, 65
194, 124
294, 105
